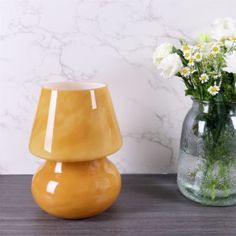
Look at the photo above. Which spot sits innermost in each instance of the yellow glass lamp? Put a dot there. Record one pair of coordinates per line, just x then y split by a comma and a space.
75, 129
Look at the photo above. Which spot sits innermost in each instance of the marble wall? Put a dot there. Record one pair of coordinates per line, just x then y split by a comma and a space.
109, 41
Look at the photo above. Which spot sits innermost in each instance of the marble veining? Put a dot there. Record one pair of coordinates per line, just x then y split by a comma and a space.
108, 41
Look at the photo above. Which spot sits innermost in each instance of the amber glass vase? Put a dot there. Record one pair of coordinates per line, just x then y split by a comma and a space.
75, 129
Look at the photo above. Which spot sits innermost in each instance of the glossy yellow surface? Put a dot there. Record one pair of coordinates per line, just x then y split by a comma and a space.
76, 190
75, 122
75, 128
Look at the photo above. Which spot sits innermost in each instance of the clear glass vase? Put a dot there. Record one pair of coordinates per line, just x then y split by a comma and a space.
207, 159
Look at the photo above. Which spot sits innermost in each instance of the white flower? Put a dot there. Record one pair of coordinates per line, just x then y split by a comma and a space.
230, 60
170, 65
204, 78
185, 72
198, 56
191, 61
187, 55
229, 44
161, 52
223, 28
213, 90
186, 48
215, 49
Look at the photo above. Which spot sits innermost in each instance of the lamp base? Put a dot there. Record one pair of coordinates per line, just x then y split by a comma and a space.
76, 190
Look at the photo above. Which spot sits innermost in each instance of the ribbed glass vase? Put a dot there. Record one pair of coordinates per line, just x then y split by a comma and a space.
207, 159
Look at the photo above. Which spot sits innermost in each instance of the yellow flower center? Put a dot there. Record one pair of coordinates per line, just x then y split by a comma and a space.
186, 47
198, 56
215, 49
191, 60
213, 89
210, 55
187, 55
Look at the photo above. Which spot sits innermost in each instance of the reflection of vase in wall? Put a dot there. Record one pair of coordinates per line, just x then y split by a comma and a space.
75, 129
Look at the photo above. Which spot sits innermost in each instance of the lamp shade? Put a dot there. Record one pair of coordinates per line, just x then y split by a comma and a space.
75, 122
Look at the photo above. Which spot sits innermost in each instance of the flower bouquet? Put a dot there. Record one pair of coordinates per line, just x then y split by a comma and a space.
207, 67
